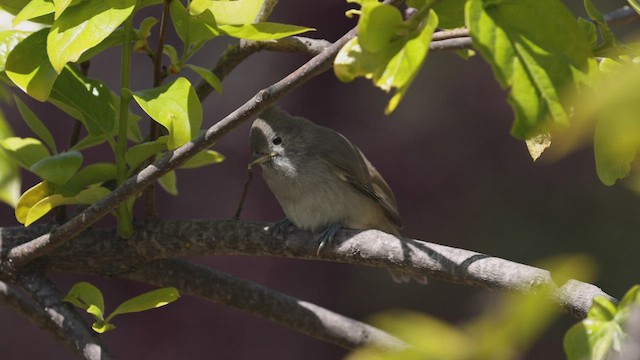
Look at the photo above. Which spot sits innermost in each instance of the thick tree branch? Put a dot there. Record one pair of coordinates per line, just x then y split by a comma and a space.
299, 315
370, 248
71, 325
20, 302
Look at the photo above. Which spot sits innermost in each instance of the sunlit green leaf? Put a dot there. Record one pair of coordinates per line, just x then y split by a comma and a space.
35, 124
635, 4
168, 182
84, 26
34, 9
594, 337
85, 197
101, 327
25, 151
9, 173
29, 68
60, 6
8, 40
203, 158
30, 198
59, 168
190, 29
87, 297
378, 25
396, 61
262, 31
228, 12
526, 44
147, 301
208, 76
176, 107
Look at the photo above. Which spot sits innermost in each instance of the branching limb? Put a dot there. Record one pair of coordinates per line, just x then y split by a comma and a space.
17, 300
299, 315
66, 319
44, 244
370, 248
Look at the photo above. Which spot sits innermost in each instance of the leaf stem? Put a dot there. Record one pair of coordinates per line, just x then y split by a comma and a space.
158, 77
125, 228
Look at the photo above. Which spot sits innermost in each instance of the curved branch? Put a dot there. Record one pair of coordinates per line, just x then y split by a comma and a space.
20, 302
71, 325
161, 240
299, 315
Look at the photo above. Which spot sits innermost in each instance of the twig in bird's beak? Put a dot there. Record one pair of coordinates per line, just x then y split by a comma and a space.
260, 159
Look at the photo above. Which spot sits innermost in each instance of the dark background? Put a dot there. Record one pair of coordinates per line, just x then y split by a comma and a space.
460, 180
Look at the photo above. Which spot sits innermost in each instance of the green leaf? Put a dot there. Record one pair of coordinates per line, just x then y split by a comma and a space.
60, 7
191, 29
87, 297
635, 4
87, 142
137, 154
85, 197
378, 25
25, 151
58, 169
616, 143
594, 337
168, 182
208, 76
101, 327
87, 100
203, 158
397, 63
450, 13
32, 10
30, 198
526, 44
238, 12
29, 68
8, 40
589, 30
262, 31
116, 38
147, 301
176, 107
9, 173
35, 124
84, 26
96, 173
405, 65
608, 38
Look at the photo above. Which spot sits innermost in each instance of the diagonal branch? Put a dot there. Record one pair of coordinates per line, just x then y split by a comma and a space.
20, 302
299, 315
71, 325
100, 252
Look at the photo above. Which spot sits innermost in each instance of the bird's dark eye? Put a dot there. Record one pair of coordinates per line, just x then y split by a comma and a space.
277, 140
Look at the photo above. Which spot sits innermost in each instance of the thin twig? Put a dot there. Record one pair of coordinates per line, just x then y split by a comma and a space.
47, 296
269, 304
151, 211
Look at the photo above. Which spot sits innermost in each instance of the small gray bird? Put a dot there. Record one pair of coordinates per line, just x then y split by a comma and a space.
321, 180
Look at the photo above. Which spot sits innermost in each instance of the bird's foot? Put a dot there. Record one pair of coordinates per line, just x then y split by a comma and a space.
327, 236
280, 227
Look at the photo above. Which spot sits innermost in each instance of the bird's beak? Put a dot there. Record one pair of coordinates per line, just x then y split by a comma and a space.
259, 158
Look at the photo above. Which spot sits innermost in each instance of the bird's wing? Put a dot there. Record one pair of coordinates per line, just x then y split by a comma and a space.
355, 169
